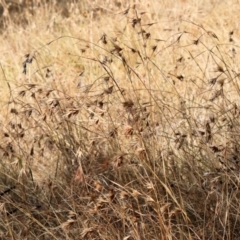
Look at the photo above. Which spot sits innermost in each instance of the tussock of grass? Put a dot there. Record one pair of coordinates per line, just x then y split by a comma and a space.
120, 122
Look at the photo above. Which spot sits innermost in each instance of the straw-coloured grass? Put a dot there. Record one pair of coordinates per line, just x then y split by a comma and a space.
120, 122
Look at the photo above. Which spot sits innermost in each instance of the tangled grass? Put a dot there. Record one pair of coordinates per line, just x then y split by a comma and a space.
121, 122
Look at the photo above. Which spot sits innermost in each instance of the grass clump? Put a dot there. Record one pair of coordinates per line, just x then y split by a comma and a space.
120, 124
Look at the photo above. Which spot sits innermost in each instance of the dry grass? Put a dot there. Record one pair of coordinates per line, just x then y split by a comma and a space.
120, 121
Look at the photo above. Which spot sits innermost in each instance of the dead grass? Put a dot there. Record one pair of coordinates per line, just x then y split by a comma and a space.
120, 122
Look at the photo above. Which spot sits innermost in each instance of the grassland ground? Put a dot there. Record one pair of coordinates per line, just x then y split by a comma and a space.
119, 120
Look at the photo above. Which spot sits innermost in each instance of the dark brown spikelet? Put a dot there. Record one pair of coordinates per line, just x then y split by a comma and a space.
212, 34
113, 133
109, 90
195, 42
104, 38
32, 151
72, 112
133, 50
135, 22
208, 132
117, 48
6, 134
180, 140
230, 36
10, 148
24, 68
150, 24
126, 11
221, 82
28, 60
180, 59
106, 79
14, 111
40, 90
22, 93
154, 48
48, 93
100, 104
21, 134
54, 103
179, 37
31, 86
220, 69
215, 149
128, 104
216, 95
48, 73
180, 77
28, 113
212, 81
147, 35
212, 118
